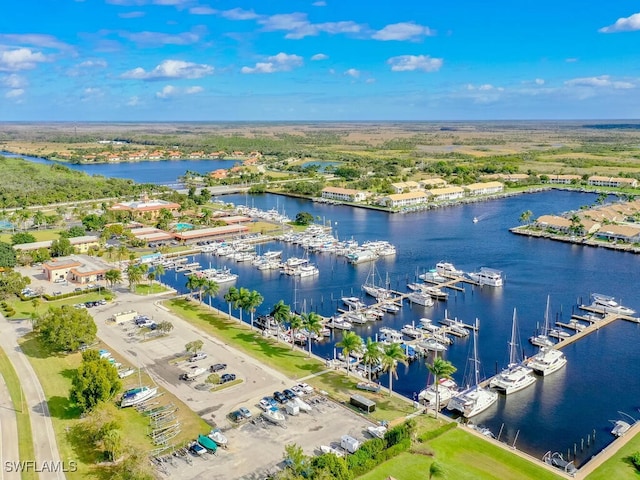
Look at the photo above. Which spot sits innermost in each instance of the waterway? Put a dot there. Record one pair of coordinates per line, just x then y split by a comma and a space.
558, 411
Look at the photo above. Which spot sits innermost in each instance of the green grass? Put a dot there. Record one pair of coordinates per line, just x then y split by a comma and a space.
146, 289
619, 467
39, 235
25, 438
24, 308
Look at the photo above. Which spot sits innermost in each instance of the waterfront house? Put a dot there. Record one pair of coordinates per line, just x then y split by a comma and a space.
219, 174
446, 193
619, 233
507, 177
553, 222
343, 194
487, 188
404, 187
564, 179
145, 206
617, 182
398, 200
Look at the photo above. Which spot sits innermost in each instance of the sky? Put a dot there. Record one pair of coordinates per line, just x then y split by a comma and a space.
318, 60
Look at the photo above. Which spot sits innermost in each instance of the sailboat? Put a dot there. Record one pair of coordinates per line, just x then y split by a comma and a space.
137, 395
542, 339
475, 399
370, 288
516, 376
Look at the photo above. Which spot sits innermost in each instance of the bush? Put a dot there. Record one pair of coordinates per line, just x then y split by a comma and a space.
635, 459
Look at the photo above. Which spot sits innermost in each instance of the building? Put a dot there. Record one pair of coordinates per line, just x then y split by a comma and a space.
145, 206
188, 236
487, 188
446, 193
151, 234
616, 182
402, 187
79, 269
565, 225
343, 194
399, 200
564, 179
435, 182
619, 233
507, 177
80, 244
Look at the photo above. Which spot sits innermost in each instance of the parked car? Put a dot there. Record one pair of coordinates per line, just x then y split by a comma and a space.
245, 412
289, 394
280, 397
227, 377
264, 404
236, 416
216, 367
197, 356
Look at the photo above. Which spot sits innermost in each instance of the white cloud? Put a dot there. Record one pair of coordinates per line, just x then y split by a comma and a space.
133, 101
602, 81
370, 80
170, 69
319, 56
137, 14
571, 60
240, 14
192, 90
90, 93
320, 3
403, 31
20, 59
410, 63
14, 93
299, 26
35, 40
539, 81
202, 10
281, 62
87, 67
160, 38
13, 81
166, 92
352, 72
624, 24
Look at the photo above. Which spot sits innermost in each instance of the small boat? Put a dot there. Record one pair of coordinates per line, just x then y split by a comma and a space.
447, 269
328, 449
542, 339
207, 443
446, 389
609, 305
389, 307
137, 395
487, 276
412, 331
432, 345
377, 432
301, 404
475, 219
339, 323
620, 427
274, 415
556, 459
353, 302
217, 436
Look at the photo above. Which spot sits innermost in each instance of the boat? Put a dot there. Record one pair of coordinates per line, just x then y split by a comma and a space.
137, 395
353, 302
542, 339
301, 404
412, 331
432, 345
432, 276
369, 387
339, 323
447, 388
219, 275
620, 427
375, 290
207, 443
447, 269
475, 219
475, 399
304, 271
435, 292
547, 361
334, 451
420, 298
389, 307
271, 254
390, 335
377, 432
516, 376
609, 305
487, 276
556, 459
217, 436
361, 256
274, 415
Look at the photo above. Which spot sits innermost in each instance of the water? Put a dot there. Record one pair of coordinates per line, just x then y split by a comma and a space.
557, 411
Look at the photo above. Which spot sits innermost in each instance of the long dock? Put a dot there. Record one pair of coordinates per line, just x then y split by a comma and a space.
594, 325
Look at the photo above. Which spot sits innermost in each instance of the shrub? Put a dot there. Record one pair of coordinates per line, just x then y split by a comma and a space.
635, 459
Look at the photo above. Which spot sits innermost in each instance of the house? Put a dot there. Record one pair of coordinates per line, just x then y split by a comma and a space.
80, 269
218, 174
435, 182
616, 182
554, 222
487, 188
619, 233
446, 193
507, 177
80, 244
145, 206
343, 194
405, 199
402, 187
564, 179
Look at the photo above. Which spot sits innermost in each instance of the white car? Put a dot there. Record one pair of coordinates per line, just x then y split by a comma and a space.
197, 356
306, 389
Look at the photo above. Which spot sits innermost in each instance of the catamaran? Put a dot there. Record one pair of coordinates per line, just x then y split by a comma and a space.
542, 339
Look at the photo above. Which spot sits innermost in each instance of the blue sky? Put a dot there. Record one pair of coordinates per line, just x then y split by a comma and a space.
193, 60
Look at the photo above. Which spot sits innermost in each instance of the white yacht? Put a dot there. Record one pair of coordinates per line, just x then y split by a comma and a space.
308, 270
432, 276
516, 376
412, 331
448, 270
609, 305
353, 302
547, 361
420, 298
487, 276
474, 399
447, 388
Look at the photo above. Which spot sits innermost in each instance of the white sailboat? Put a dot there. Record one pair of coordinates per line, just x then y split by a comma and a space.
516, 376
375, 290
542, 339
475, 399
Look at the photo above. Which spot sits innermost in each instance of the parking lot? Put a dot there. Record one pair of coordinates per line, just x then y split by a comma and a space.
255, 446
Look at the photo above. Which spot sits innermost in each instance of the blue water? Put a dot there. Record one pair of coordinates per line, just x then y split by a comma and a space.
181, 227
557, 411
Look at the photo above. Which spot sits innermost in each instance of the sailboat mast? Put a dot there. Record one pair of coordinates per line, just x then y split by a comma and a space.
475, 356
512, 345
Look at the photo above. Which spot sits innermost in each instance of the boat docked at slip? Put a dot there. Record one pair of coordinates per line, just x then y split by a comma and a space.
412, 331
543, 339
516, 375
620, 427
137, 395
389, 307
475, 399
339, 323
372, 286
420, 298
304, 271
353, 302
442, 393
448, 270
487, 276
609, 305
431, 345
547, 361
219, 275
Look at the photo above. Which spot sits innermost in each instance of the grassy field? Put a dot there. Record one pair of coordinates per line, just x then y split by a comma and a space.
39, 235
619, 466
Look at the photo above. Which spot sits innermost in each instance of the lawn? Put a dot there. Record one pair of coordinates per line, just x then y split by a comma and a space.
39, 235
25, 439
24, 308
619, 467
55, 373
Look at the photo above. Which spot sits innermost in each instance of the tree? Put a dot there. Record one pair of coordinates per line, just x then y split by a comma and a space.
295, 322
312, 323
112, 441
75, 231
526, 216
194, 347
113, 276
303, 218
295, 459
280, 313
440, 368
210, 289
7, 255
65, 328
61, 248
252, 301
241, 300
165, 327
93, 222
12, 283
22, 237
194, 282
436, 471
350, 342
372, 355
392, 354
135, 273
602, 197
94, 381
231, 297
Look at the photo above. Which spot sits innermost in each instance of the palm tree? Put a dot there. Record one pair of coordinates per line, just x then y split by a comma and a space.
241, 300
312, 323
526, 216
135, 274
391, 356
280, 313
295, 322
211, 289
159, 271
231, 297
195, 282
252, 301
372, 354
113, 276
436, 470
350, 342
440, 368
122, 253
